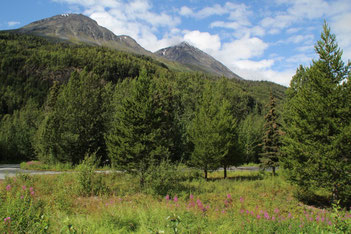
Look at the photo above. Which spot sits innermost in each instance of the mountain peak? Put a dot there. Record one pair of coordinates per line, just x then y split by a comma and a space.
192, 57
78, 28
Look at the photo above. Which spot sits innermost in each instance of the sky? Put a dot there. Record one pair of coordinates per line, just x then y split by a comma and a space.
256, 39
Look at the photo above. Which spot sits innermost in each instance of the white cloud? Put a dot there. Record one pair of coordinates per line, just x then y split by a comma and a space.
280, 77
298, 39
13, 23
244, 48
342, 29
186, 11
203, 40
254, 65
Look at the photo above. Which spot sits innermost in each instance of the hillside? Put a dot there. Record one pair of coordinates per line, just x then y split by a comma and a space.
78, 28
195, 59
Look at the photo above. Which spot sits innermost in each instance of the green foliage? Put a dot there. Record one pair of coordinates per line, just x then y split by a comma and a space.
144, 128
37, 165
250, 137
17, 131
21, 212
75, 125
317, 123
271, 139
164, 178
212, 131
89, 182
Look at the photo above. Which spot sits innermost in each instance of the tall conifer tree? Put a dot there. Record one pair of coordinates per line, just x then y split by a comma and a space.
212, 131
143, 130
74, 124
317, 150
271, 139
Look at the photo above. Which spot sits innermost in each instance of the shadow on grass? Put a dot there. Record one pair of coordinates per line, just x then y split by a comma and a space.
312, 199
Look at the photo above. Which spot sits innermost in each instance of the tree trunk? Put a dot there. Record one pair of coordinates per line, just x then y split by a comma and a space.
205, 173
225, 171
273, 169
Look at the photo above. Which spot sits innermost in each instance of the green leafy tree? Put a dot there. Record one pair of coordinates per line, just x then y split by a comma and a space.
317, 146
74, 123
143, 130
250, 137
18, 131
212, 132
271, 139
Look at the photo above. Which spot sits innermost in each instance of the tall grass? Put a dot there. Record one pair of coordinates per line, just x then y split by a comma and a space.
244, 202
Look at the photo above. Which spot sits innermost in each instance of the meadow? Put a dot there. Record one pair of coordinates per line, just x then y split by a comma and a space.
89, 202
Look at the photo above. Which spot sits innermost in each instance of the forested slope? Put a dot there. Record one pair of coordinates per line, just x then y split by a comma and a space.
30, 66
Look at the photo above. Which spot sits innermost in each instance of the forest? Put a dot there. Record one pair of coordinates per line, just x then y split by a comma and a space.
85, 105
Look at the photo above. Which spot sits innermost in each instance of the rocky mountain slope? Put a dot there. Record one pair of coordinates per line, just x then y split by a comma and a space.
78, 28
195, 59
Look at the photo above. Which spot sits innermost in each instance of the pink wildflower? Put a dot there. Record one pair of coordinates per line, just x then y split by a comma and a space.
191, 197
229, 196
241, 199
266, 215
8, 219
175, 199
24, 187
289, 216
273, 218
167, 197
276, 210
8, 187
258, 216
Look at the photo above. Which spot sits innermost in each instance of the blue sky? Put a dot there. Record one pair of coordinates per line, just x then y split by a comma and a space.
257, 39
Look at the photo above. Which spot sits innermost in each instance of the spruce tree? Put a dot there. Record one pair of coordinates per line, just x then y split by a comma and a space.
74, 123
143, 130
271, 140
317, 150
212, 132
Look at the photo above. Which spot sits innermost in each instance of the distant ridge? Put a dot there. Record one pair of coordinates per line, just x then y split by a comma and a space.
78, 28
194, 58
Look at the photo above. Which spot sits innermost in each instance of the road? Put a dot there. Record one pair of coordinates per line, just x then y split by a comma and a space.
13, 169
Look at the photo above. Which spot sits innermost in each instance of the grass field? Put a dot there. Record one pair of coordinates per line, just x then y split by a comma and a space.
89, 202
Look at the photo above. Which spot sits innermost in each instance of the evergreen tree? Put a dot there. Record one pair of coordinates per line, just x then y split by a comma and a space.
143, 129
212, 132
271, 139
250, 137
317, 150
74, 123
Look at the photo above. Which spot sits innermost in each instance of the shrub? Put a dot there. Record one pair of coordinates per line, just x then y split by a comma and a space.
164, 178
89, 182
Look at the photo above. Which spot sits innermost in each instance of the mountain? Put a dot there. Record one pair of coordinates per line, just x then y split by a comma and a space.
78, 28
195, 59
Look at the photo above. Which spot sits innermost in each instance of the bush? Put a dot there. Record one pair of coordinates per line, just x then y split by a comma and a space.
164, 178
89, 182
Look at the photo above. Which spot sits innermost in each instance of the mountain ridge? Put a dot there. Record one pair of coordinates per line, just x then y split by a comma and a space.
78, 28
191, 56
